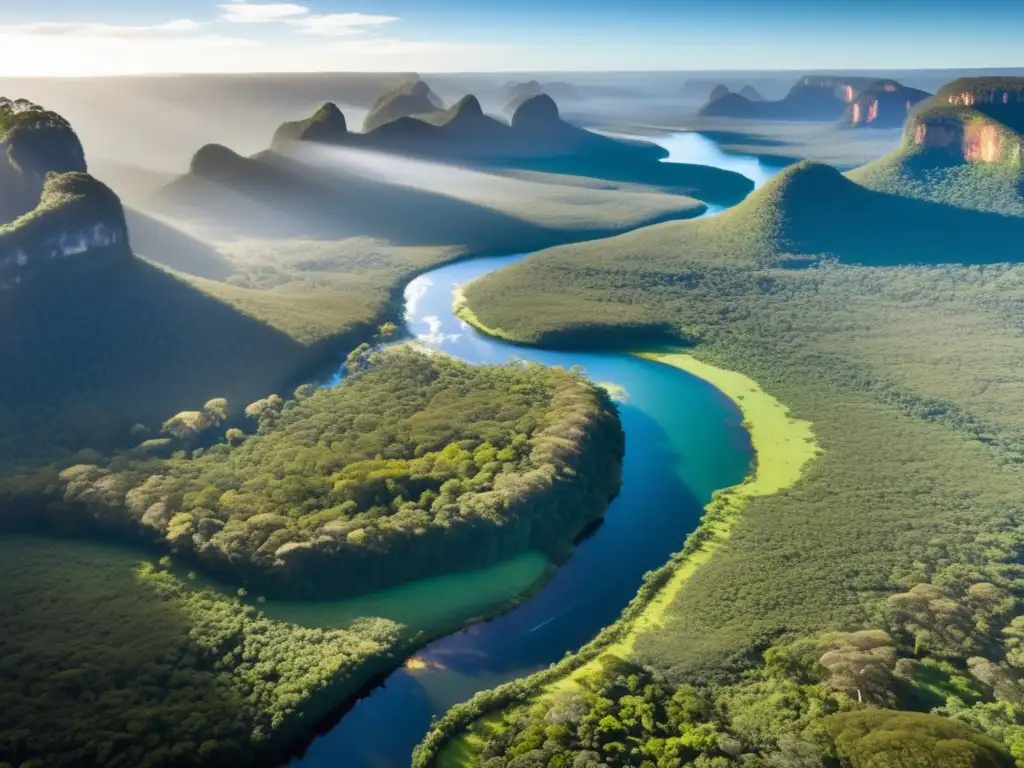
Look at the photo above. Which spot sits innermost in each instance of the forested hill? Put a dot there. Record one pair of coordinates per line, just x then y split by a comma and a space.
963, 147
417, 466
51, 210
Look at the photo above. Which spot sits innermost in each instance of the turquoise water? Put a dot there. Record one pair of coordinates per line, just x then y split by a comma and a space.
683, 440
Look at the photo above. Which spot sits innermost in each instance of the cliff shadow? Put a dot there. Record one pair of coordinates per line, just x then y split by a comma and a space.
165, 244
271, 196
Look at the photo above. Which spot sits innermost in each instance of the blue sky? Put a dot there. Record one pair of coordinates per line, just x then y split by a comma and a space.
67, 37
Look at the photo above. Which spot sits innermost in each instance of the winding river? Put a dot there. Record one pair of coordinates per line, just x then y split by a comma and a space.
684, 440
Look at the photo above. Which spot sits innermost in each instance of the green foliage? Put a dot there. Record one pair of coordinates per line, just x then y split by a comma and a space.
879, 738
111, 660
417, 465
909, 520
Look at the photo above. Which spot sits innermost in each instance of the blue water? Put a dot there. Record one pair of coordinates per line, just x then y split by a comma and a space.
683, 440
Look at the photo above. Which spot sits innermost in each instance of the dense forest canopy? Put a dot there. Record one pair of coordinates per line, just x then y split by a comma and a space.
416, 466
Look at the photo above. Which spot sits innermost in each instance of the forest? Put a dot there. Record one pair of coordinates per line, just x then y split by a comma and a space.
110, 658
418, 465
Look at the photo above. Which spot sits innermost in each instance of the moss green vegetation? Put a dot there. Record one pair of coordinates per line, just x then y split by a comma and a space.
134, 666
903, 535
418, 466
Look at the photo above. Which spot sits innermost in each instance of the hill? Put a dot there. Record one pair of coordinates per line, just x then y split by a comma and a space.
537, 139
814, 97
884, 104
963, 148
327, 125
409, 99
750, 93
803, 102
718, 92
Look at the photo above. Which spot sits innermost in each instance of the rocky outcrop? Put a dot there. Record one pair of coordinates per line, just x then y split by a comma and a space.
958, 136
884, 104
52, 208
325, 126
76, 216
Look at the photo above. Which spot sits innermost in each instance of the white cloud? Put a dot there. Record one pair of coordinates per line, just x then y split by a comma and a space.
85, 29
260, 13
337, 24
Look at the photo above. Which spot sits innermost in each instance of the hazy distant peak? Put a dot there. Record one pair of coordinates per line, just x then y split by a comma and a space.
718, 92
537, 110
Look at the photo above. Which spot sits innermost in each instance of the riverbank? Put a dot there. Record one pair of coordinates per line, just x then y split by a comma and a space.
783, 446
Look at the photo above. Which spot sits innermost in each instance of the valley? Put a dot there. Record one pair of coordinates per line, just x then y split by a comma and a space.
522, 429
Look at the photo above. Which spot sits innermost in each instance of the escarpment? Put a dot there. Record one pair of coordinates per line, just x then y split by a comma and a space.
51, 209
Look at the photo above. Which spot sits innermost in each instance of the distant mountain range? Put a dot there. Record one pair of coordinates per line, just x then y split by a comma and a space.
855, 101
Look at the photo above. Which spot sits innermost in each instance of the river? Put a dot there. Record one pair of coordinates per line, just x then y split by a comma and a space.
683, 440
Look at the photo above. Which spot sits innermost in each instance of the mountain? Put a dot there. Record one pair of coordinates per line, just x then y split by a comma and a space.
411, 98
50, 208
463, 131
750, 93
813, 97
883, 104
718, 92
517, 93
963, 147
327, 125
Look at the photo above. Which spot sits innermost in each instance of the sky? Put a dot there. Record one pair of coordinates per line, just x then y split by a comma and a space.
113, 37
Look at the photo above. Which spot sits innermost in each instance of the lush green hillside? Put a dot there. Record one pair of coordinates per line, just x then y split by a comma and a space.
908, 524
962, 147
419, 465
111, 659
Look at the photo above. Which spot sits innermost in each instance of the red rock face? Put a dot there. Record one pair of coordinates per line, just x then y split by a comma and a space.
848, 94
856, 114
982, 144
873, 111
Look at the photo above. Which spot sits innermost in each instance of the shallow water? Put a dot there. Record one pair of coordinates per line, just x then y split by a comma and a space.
683, 440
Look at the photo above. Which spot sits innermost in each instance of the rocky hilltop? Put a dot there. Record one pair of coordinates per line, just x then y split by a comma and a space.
883, 104
50, 207
964, 147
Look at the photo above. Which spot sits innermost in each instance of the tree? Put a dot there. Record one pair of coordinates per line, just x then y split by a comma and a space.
883, 738
860, 664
